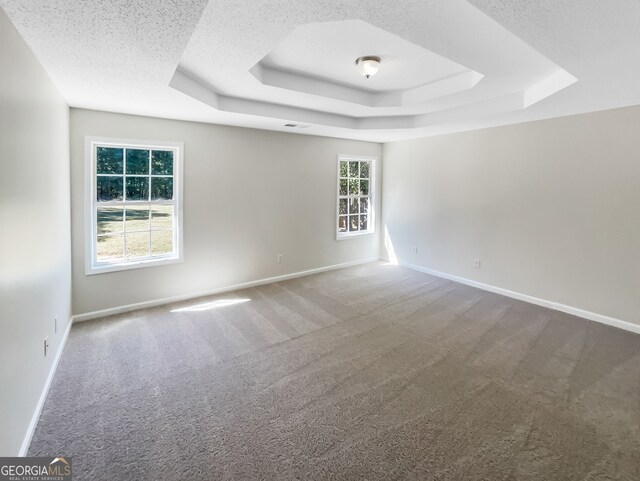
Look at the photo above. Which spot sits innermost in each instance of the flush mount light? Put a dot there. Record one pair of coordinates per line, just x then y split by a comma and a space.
368, 65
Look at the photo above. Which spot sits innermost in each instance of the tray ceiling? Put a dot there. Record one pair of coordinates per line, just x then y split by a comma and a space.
446, 66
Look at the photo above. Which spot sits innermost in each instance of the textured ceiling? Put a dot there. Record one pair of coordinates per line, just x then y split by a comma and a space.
446, 66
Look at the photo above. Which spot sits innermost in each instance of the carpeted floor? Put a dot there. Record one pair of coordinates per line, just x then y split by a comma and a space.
372, 372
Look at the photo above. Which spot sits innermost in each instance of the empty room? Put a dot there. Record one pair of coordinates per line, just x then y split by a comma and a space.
308, 240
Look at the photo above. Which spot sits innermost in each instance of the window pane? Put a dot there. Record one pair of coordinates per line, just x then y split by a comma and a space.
108, 188
342, 206
354, 186
161, 242
137, 188
353, 223
137, 218
137, 244
110, 219
353, 206
343, 168
162, 162
109, 160
137, 161
343, 186
364, 205
342, 223
353, 169
162, 188
364, 187
162, 217
364, 170
363, 222
109, 248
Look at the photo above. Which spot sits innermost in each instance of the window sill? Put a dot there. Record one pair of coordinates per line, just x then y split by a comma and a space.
352, 235
125, 266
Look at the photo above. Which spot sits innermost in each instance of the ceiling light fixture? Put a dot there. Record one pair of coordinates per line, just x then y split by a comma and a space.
368, 65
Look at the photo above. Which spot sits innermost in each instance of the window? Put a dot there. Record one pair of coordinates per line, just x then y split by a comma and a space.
132, 200
355, 196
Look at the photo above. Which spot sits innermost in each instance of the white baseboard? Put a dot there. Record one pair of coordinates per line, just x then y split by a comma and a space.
45, 390
220, 290
592, 316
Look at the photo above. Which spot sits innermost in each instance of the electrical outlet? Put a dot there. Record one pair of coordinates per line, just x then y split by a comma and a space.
414, 250
280, 259
476, 263
46, 346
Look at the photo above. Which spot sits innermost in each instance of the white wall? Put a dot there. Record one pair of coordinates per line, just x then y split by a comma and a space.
552, 208
35, 263
249, 195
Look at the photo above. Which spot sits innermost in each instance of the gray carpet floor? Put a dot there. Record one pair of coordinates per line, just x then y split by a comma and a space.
372, 372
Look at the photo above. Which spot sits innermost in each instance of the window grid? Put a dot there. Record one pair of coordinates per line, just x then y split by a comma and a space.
138, 202
355, 177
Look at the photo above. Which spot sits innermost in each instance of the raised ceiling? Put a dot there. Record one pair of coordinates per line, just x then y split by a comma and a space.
446, 65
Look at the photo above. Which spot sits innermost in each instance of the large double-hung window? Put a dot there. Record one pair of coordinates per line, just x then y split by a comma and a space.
133, 193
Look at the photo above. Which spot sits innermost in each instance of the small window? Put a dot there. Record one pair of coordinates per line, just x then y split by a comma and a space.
355, 196
132, 199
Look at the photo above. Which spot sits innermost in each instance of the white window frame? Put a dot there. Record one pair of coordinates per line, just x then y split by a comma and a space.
371, 224
91, 204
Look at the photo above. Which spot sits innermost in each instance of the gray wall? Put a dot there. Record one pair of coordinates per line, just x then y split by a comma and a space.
249, 195
551, 208
35, 264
